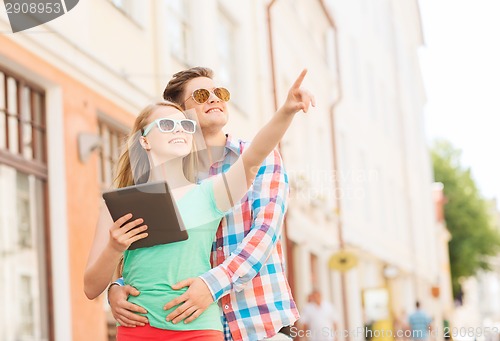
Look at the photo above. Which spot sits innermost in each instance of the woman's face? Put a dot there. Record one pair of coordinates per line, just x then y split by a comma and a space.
167, 146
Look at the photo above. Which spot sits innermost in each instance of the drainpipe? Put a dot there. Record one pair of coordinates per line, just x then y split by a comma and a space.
338, 201
271, 52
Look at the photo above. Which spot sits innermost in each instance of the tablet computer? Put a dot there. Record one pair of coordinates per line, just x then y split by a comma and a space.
154, 203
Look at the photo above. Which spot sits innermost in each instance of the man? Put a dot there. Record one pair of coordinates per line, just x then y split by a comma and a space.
319, 318
248, 278
420, 324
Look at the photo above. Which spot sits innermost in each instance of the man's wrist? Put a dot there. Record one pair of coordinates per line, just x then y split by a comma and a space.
217, 281
208, 286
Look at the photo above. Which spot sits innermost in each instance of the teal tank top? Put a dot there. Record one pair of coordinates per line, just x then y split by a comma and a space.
153, 270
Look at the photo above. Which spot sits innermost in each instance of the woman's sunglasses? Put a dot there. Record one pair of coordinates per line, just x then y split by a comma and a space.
167, 125
200, 96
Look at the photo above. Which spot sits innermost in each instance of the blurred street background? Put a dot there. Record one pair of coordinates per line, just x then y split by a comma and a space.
384, 210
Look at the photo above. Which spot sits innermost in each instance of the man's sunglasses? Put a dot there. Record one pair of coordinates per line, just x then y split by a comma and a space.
200, 96
167, 125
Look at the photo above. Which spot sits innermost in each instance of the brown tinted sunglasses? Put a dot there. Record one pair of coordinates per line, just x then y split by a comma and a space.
200, 96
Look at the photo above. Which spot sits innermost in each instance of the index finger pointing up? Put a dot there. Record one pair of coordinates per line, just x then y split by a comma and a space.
299, 80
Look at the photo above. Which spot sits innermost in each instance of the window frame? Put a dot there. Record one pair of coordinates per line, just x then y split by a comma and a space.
37, 167
127, 9
117, 134
116, 129
226, 16
183, 19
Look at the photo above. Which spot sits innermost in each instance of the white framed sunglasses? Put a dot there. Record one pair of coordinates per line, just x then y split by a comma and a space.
167, 125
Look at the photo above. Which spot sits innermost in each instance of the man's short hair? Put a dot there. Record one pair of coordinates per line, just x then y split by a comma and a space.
174, 91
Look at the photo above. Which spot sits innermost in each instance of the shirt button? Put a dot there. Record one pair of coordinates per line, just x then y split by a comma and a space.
226, 306
219, 248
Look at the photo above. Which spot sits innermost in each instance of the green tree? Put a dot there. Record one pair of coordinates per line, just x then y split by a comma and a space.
474, 238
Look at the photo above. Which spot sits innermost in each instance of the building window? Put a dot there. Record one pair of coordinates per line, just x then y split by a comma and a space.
26, 306
226, 49
372, 92
24, 232
121, 4
314, 271
329, 43
23, 207
367, 186
344, 174
179, 30
382, 201
355, 64
113, 138
129, 9
22, 119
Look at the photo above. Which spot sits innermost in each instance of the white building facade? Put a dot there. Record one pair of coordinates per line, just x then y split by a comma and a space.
387, 214
100, 63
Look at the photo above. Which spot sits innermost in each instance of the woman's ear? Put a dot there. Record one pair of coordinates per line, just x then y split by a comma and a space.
144, 143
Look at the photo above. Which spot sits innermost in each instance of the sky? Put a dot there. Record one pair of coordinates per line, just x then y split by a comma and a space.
461, 69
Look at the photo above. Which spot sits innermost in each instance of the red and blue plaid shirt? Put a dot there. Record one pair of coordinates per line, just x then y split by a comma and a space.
248, 278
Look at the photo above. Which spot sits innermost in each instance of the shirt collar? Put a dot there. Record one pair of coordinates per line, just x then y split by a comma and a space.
232, 145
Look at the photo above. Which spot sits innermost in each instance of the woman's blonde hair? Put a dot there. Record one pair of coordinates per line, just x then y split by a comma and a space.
134, 163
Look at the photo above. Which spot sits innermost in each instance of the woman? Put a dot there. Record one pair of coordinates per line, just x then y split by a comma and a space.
164, 137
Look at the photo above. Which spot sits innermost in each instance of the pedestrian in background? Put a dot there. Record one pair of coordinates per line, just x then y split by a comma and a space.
420, 324
319, 318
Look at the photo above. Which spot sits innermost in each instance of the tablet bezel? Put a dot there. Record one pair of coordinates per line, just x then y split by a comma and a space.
154, 203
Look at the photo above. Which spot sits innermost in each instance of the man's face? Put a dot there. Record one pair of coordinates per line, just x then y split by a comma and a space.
212, 115
316, 298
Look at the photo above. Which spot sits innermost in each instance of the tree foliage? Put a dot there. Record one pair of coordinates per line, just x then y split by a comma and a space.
474, 238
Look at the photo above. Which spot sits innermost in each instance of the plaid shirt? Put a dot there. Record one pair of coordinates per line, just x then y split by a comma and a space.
248, 278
